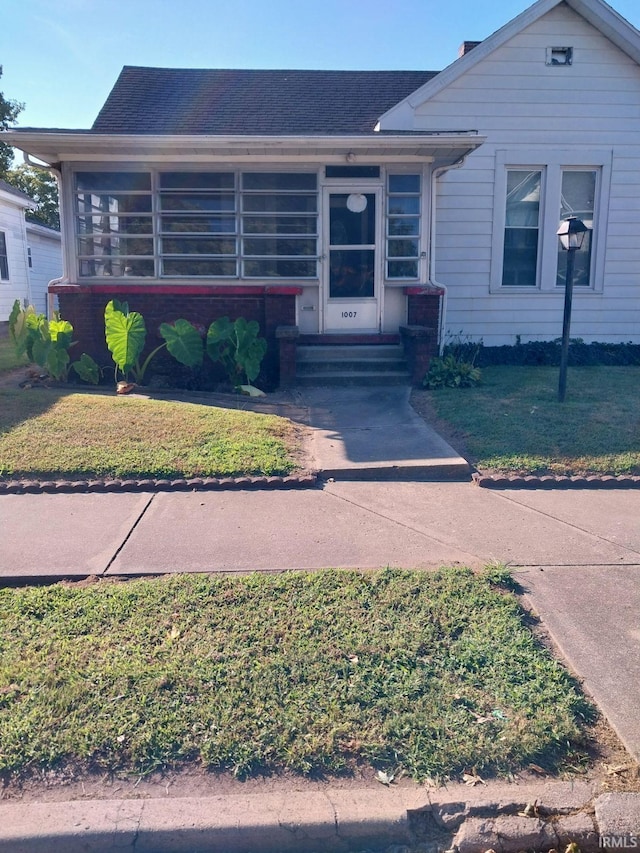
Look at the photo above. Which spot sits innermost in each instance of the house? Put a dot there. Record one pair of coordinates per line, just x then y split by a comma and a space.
30, 254
358, 206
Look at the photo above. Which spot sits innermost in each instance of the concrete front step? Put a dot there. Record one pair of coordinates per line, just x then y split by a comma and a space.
351, 364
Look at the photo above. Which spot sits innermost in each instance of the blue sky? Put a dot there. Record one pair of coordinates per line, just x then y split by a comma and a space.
61, 57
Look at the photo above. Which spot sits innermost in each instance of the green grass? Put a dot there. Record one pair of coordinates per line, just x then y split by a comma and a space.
434, 673
46, 433
8, 358
513, 422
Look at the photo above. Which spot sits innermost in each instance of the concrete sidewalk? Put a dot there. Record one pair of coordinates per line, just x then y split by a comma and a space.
576, 553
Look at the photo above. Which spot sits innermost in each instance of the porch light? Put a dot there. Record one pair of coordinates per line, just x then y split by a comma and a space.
571, 233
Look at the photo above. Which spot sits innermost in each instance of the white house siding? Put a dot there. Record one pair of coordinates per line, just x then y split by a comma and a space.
520, 103
46, 262
13, 226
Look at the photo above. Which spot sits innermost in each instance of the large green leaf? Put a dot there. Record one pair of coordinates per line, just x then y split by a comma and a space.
183, 342
57, 362
125, 335
87, 369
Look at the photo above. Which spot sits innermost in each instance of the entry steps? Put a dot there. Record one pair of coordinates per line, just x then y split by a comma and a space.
351, 364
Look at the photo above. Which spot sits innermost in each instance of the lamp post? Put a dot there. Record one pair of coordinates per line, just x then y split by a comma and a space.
571, 234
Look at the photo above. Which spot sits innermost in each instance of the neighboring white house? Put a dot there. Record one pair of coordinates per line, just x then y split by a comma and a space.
30, 255
355, 197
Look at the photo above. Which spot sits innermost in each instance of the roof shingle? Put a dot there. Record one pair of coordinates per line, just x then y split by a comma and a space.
237, 102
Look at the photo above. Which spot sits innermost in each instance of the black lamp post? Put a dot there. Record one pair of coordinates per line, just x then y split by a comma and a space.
571, 234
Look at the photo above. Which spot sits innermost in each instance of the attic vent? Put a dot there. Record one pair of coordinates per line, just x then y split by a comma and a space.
559, 55
466, 46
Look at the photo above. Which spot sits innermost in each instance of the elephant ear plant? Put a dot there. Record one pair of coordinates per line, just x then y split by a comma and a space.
239, 349
47, 343
126, 334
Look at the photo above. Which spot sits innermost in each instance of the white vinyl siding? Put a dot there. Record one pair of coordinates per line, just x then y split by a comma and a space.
535, 116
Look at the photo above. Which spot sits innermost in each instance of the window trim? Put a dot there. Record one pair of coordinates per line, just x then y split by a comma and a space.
551, 163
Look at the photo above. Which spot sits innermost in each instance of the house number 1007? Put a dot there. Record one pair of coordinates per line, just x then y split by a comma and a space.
346, 314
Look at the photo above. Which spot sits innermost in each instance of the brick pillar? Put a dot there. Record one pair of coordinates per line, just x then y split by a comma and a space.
419, 349
288, 343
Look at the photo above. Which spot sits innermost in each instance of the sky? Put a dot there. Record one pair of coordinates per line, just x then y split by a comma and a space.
62, 57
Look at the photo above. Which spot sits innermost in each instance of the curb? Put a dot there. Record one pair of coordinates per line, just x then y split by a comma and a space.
331, 821
21, 487
512, 481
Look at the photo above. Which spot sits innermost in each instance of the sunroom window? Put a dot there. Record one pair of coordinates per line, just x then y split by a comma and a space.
114, 223
403, 226
197, 224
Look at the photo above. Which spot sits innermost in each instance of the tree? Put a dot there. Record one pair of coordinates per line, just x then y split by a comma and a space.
9, 111
38, 184
42, 187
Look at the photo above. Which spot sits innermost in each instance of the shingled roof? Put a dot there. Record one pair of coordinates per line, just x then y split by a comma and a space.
238, 102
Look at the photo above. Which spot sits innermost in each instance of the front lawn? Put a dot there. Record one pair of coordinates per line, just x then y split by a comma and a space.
45, 434
513, 421
429, 673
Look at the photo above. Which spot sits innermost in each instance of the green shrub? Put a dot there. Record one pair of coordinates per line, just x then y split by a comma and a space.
451, 372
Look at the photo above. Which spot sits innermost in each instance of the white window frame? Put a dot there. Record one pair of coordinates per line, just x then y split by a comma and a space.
551, 163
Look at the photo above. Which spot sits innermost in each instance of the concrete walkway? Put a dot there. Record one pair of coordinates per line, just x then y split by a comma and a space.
576, 553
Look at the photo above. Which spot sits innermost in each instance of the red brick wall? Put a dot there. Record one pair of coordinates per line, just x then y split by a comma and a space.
84, 307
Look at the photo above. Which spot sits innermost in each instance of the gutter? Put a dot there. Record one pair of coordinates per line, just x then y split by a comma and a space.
64, 278
436, 173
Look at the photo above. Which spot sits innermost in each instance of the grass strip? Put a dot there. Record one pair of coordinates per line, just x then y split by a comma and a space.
8, 358
431, 672
514, 423
45, 433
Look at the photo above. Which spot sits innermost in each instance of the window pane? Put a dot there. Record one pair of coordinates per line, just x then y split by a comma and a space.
350, 228
409, 226
404, 183
198, 246
197, 180
91, 203
577, 199
268, 203
351, 273
113, 181
4, 263
205, 202
520, 257
403, 248
523, 199
196, 267
278, 268
115, 225
403, 204
402, 269
279, 181
352, 172
117, 267
199, 224
279, 224
115, 245
266, 246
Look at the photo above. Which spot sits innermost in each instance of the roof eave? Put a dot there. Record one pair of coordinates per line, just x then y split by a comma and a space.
56, 147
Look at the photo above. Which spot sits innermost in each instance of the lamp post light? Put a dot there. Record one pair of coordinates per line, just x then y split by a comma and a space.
571, 234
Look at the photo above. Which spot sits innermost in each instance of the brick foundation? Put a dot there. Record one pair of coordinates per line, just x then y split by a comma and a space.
83, 306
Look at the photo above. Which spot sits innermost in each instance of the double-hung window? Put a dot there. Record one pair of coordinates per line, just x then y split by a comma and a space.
4, 261
530, 202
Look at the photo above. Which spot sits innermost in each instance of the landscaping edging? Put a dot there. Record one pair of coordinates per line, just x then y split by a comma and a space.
26, 486
595, 481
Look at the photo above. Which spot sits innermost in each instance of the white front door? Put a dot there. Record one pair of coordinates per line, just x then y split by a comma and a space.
351, 279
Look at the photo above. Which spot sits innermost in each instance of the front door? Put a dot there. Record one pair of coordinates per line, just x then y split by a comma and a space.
351, 282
